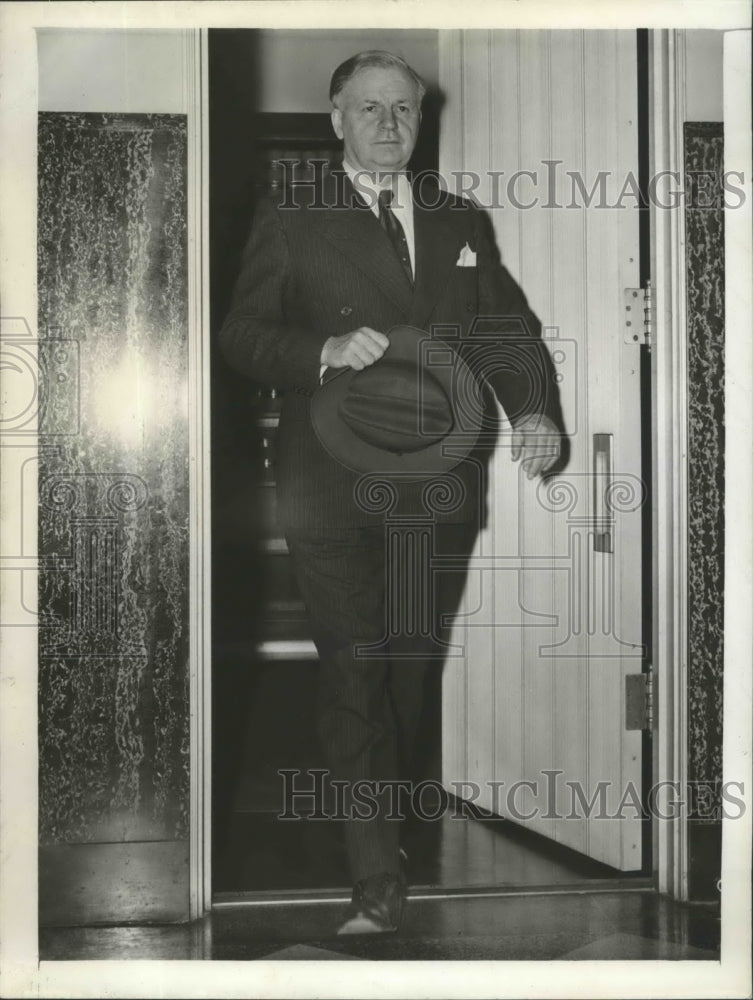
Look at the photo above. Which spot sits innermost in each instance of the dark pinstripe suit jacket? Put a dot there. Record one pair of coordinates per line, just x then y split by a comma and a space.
318, 264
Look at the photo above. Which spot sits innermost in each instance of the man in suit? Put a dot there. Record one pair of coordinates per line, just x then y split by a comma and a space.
327, 272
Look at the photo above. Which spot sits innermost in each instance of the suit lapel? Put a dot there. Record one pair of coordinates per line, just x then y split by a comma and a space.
437, 248
351, 226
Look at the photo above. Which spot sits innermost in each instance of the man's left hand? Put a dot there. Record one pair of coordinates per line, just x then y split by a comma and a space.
537, 442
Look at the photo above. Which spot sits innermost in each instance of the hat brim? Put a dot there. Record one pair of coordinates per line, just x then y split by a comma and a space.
447, 367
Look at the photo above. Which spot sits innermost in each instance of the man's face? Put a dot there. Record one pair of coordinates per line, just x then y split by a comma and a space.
378, 118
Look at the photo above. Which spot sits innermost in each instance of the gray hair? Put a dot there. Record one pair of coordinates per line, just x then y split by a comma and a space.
364, 60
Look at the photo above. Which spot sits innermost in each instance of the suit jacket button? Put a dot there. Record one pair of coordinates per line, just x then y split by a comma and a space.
346, 311
469, 306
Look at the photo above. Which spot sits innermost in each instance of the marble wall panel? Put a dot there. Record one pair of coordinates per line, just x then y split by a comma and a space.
113, 478
704, 220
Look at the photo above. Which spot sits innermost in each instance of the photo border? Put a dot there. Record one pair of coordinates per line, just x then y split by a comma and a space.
22, 974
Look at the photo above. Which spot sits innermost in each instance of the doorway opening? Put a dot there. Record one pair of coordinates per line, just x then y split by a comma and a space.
264, 664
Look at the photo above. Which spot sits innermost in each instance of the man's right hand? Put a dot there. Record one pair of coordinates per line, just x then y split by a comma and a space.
358, 349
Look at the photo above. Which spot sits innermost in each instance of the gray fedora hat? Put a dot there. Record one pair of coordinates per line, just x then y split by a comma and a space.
416, 412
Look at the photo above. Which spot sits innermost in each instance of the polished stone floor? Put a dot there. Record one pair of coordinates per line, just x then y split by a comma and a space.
530, 925
480, 889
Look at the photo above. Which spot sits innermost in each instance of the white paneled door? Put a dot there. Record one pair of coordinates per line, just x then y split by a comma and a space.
534, 712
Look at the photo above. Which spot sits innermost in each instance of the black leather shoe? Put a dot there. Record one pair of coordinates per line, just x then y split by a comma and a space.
376, 906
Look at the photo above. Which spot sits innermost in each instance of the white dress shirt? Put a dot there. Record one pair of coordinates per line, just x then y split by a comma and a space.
368, 186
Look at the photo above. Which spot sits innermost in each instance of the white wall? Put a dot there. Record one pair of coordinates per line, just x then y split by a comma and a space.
119, 71
102, 70
136, 71
704, 59
295, 67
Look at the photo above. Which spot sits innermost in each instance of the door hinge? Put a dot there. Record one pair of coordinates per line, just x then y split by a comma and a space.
639, 700
637, 329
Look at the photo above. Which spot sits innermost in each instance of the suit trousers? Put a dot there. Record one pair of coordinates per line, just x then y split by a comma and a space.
376, 596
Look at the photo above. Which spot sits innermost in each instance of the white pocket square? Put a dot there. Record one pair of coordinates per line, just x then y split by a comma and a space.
467, 257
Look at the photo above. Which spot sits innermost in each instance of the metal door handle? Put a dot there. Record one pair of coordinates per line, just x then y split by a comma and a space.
603, 520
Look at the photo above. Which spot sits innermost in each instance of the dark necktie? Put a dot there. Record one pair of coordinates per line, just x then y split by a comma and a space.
395, 231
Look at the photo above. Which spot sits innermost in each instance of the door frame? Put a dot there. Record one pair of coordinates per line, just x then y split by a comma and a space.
669, 431
200, 513
669, 516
